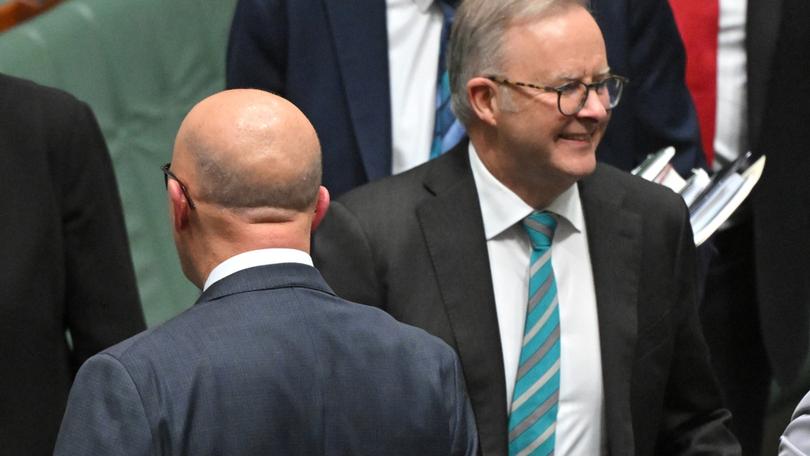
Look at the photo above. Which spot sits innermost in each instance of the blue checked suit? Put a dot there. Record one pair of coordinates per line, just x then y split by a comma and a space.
270, 361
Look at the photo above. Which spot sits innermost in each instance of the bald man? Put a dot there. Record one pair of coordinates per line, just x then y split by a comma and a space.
269, 360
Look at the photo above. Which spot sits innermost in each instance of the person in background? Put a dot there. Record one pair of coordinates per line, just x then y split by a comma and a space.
268, 360
371, 75
751, 90
566, 286
65, 265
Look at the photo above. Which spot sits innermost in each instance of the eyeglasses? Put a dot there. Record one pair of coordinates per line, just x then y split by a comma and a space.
572, 96
168, 174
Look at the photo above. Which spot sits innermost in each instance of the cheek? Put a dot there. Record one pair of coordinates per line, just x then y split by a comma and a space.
549, 127
603, 125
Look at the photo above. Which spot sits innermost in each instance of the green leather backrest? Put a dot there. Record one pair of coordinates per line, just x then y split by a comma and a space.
141, 65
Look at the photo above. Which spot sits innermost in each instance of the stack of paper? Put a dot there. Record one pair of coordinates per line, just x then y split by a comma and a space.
711, 201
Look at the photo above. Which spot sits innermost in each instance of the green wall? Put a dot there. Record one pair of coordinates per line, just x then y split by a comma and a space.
141, 65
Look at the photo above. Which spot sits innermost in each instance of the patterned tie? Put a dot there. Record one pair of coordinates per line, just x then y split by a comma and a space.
447, 131
533, 416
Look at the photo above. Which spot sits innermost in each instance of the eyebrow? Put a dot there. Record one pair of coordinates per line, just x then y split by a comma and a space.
569, 77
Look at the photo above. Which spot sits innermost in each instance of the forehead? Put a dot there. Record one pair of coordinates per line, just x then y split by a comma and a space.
566, 44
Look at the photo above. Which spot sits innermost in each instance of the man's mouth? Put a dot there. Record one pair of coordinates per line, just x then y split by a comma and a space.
586, 137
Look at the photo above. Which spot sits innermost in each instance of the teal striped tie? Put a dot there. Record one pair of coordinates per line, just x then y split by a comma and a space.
447, 130
533, 415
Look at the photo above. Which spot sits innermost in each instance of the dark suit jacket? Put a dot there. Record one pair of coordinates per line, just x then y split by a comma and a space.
269, 361
65, 259
778, 46
330, 58
414, 245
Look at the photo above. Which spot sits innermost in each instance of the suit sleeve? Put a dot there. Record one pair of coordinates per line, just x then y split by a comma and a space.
463, 429
257, 46
104, 415
663, 105
343, 254
102, 303
694, 419
795, 441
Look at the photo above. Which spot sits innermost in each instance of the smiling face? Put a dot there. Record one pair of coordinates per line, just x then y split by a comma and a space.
538, 147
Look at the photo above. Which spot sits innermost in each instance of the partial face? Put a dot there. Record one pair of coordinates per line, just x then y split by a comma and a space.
536, 140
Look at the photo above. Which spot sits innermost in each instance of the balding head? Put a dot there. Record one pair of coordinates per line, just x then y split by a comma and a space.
249, 149
251, 163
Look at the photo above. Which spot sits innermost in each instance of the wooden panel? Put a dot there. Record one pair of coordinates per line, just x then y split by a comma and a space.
15, 11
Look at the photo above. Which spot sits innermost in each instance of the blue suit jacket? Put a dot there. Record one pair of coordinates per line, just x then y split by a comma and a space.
330, 58
270, 361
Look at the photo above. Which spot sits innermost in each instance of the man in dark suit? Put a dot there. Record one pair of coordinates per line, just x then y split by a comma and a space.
66, 263
757, 306
269, 360
444, 247
331, 58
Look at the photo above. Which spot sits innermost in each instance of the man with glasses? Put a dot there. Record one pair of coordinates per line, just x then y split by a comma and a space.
365, 73
268, 361
566, 287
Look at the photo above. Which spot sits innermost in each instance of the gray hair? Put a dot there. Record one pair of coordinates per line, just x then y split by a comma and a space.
227, 184
476, 42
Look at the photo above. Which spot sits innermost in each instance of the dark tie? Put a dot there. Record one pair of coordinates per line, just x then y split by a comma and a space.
533, 414
447, 130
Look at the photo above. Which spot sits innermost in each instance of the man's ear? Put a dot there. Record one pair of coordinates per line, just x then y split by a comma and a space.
483, 94
321, 206
178, 205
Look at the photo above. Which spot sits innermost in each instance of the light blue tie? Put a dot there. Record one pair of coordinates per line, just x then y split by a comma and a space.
533, 415
447, 130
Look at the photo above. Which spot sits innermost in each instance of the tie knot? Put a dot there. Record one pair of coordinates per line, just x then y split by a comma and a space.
540, 226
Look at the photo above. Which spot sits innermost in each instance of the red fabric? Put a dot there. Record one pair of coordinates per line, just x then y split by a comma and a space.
698, 23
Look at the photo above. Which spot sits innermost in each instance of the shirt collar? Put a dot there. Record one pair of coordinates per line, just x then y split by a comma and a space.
255, 258
423, 5
501, 208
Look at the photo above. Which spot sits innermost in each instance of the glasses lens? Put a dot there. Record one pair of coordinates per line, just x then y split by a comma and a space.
572, 97
614, 88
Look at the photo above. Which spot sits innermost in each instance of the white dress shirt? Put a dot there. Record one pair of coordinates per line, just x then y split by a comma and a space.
580, 427
255, 258
414, 30
731, 124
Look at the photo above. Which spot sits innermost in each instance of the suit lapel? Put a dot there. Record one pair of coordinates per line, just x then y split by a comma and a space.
361, 43
614, 241
454, 235
762, 31
461, 264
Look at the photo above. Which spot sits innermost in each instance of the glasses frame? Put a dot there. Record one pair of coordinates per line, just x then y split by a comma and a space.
167, 174
560, 89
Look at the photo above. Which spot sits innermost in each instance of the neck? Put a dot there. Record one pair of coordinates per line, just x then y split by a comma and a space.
222, 238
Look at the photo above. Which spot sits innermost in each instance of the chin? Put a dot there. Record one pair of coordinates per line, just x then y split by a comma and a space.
581, 166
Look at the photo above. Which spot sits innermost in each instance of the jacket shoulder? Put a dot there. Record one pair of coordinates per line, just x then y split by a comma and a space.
17, 91
637, 192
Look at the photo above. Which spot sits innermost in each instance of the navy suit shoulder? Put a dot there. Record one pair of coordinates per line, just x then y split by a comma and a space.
263, 364
329, 58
